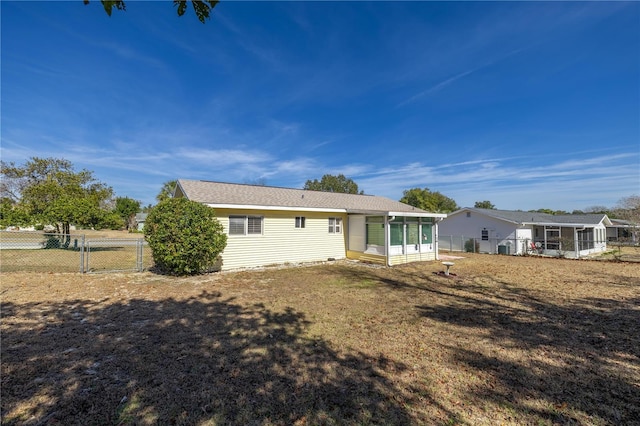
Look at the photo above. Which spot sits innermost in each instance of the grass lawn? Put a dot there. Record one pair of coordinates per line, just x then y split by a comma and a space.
20, 252
507, 340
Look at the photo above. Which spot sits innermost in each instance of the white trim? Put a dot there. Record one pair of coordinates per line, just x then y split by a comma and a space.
566, 225
317, 209
275, 208
412, 214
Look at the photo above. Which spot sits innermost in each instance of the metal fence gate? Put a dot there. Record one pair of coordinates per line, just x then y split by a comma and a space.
41, 252
112, 255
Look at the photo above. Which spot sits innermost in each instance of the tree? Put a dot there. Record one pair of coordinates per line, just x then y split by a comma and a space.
50, 191
331, 183
126, 208
554, 212
184, 236
427, 200
167, 190
628, 208
597, 210
484, 205
200, 7
12, 214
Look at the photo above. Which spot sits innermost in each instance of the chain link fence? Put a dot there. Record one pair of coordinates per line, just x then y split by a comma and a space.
462, 243
40, 252
560, 247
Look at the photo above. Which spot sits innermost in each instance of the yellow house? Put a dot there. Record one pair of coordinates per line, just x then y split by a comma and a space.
269, 225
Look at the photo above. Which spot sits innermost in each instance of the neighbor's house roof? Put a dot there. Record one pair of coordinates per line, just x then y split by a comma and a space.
534, 218
242, 196
620, 223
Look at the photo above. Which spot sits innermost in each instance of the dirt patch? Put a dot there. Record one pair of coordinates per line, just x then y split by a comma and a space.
508, 340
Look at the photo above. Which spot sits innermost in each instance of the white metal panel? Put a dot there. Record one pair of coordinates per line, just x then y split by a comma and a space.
471, 227
357, 233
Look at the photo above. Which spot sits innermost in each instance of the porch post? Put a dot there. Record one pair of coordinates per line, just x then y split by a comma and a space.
387, 237
575, 242
404, 238
434, 237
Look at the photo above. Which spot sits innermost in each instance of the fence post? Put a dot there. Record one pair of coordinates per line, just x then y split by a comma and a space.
140, 247
82, 254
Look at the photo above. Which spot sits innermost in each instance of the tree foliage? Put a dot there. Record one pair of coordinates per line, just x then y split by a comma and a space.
427, 200
12, 214
331, 183
50, 191
167, 190
202, 8
555, 212
484, 205
126, 209
184, 236
628, 208
597, 210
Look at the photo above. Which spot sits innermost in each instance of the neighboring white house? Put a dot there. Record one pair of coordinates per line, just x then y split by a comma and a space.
622, 231
140, 219
518, 232
271, 225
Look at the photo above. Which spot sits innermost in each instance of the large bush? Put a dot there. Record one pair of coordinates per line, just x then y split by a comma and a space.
185, 237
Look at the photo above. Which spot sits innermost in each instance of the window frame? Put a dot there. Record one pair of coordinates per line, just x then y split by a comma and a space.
335, 225
248, 225
300, 222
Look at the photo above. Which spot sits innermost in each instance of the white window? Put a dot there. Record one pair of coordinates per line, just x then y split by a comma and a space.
245, 225
485, 235
300, 220
335, 225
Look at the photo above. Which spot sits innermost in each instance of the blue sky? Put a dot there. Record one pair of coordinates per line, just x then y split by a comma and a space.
526, 104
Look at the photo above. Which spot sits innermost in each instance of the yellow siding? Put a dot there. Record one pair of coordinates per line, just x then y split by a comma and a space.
366, 257
413, 257
281, 242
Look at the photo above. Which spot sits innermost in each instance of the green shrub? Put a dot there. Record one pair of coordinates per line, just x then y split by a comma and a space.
53, 242
472, 246
184, 236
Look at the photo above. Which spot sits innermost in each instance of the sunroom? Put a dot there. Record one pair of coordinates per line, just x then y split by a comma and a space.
393, 238
570, 240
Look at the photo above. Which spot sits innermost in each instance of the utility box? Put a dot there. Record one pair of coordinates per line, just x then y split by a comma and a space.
504, 249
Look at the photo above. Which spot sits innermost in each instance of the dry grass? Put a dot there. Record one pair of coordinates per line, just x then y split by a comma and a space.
116, 257
620, 253
509, 340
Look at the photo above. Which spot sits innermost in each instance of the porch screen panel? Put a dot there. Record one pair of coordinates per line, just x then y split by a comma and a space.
413, 234
566, 239
396, 228
375, 234
427, 233
585, 239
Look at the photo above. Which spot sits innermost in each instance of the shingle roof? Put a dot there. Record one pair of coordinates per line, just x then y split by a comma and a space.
521, 217
220, 193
